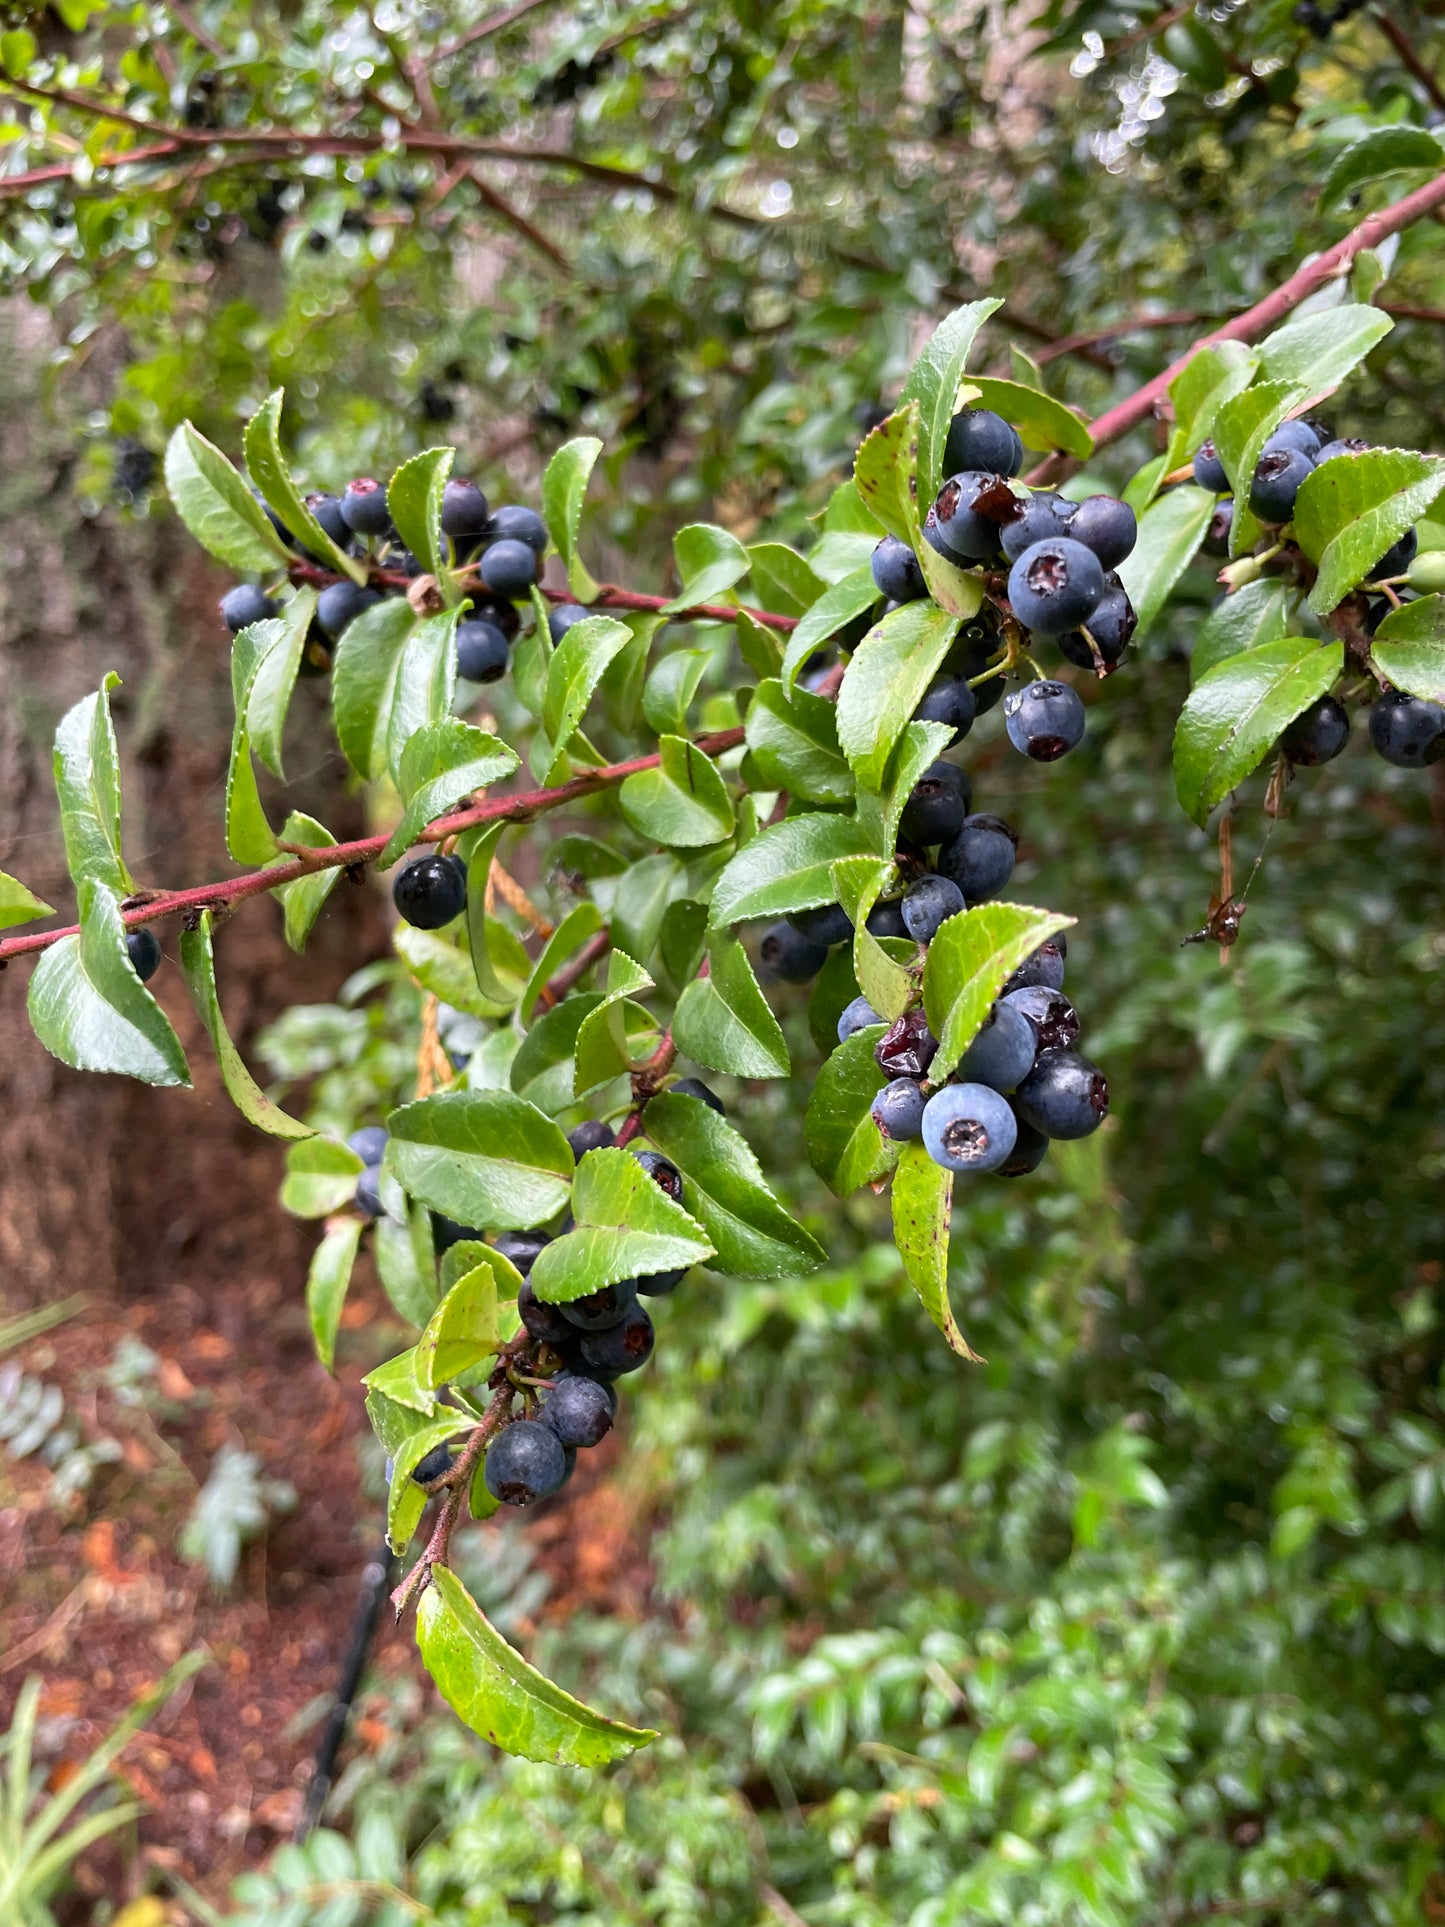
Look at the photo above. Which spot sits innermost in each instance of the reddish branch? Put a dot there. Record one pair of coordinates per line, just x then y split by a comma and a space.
1400, 41
520, 807
571, 974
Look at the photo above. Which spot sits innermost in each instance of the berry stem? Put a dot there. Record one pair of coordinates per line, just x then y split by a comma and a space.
455, 1483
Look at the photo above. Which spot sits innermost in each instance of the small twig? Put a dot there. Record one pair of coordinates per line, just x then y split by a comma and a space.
1400, 41
193, 27
455, 1484
572, 973
484, 28
1226, 874
780, 1908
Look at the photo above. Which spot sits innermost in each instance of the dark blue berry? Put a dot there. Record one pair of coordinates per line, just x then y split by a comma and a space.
937, 805
1043, 516
340, 603
464, 509
144, 950
446, 1232
364, 509
509, 569
1351, 446
1049, 1014
951, 701
1296, 435
1107, 526
545, 1322
579, 1411
430, 891
898, 1109
979, 439
954, 526
1030, 1149
695, 1088
896, 571
1221, 523
1397, 559
245, 604
439, 1460
929, 903
907, 1047
1064, 1095
856, 1016
1408, 731
661, 1284
367, 1197
369, 1143
563, 615
594, 1135
525, 1463
663, 1172
521, 1248
1278, 476
1045, 966
599, 1309
885, 919
481, 651
1318, 734
327, 510
509, 524
980, 859
968, 1127
1045, 720
827, 925
1055, 585
790, 956
501, 615
1209, 471
1003, 1052
621, 1348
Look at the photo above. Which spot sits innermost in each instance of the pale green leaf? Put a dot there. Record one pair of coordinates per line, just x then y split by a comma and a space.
626, 1227
199, 965
484, 1158
885, 682
969, 961
564, 489
268, 470
709, 561
845, 1147
683, 802
1235, 714
724, 1022
1409, 648
1170, 533
414, 499
87, 782
217, 507
922, 1208
786, 867
90, 1009
327, 1282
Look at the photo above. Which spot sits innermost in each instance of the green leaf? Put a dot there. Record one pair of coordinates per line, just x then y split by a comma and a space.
302, 900
19, 905
724, 1189
493, 1690
1207, 380
1351, 510
217, 507
622, 680
783, 580
1319, 350
327, 1282
683, 802
1042, 422
883, 471
845, 1147
88, 1007
17, 49
364, 679
682, 941
406, 1263
564, 488
793, 744
604, 1048
541, 1071
442, 765
759, 646
934, 381
576, 669
582, 921
1234, 714
442, 965
1385, 150
671, 688
87, 782
199, 965
640, 900
709, 561
626, 1228
464, 1330
1409, 647
274, 652
320, 1177
918, 746
414, 498
1259, 612
490, 982
249, 836
858, 882
922, 1207
1169, 536
724, 1022
1145, 484
1245, 423
850, 535
885, 682
425, 683
786, 867
397, 1403
969, 960
269, 472
830, 613
484, 1158
406, 1500
958, 591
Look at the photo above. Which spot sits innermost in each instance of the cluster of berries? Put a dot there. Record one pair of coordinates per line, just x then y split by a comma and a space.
1061, 558
505, 545
580, 1349
1406, 730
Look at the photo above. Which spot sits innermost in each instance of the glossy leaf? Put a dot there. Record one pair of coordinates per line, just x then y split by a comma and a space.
541, 1071
782, 579
364, 680
683, 802
786, 867
217, 507
605, 1045
626, 1227
883, 472
482, 1157
199, 965
406, 1501
1356, 507
575, 670
724, 1022
845, 1147
89, 1008
327, 1282
922, 1207
886, 681
858, 882
464, 1330
406, 1262
442, 964
1245, 423
1409, 648
1260, 612
582, 921
267, 467
919, 745
277, 644
968, 962
724, 1189
843, 602
793, 744
1207, 380
759, 645
564, 489
479, 868
320, 1177
414, 498
1320, 349
492, 1689
671, 688
1234, 715
249, 836
442, 765
303, 900
709, 560
933, 383
424, 685
19, 904
1042, 422
1170, 533
87, 782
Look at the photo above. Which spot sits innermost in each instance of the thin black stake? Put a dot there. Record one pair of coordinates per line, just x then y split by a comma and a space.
376, 1578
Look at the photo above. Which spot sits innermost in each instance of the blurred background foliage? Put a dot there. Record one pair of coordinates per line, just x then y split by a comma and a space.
1143, 1621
